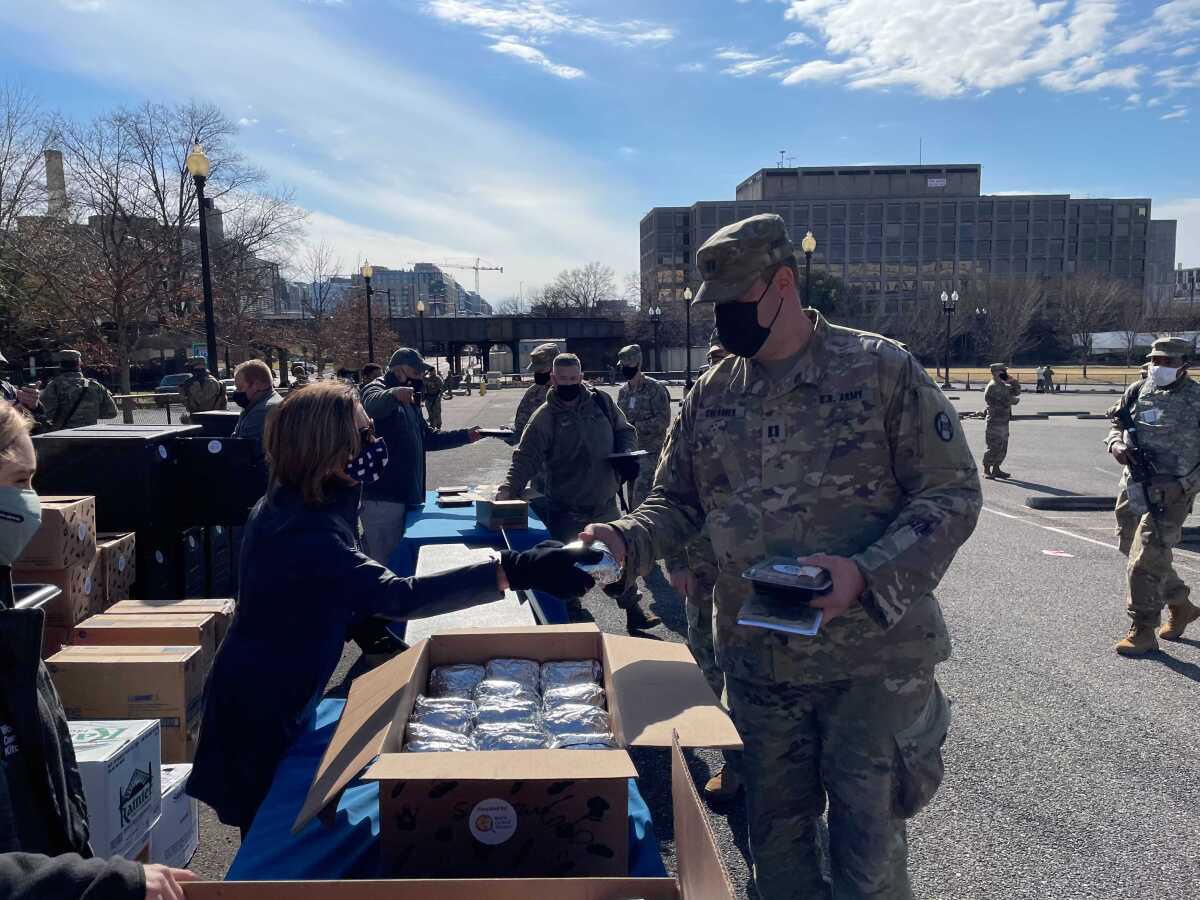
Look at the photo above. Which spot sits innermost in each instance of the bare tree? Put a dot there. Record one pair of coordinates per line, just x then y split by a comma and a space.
1086, 303
348, 335
583, 289
511, 306
318, 266
921, 326
1131, 318
1007, 307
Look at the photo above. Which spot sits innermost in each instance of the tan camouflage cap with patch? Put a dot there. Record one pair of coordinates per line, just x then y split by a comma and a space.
998, 367
630, 355
735, 256
1170, 347
541, 358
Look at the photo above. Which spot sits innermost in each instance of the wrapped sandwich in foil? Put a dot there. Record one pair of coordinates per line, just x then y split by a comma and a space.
588, 693
575, 718
566, 672
604, 572
524, 672
446, 713
455, 681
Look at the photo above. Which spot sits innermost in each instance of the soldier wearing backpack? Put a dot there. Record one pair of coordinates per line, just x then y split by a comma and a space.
72, 400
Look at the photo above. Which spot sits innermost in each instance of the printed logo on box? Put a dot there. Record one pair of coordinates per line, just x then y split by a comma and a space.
120, 563
214, 446
82, 531
135, 795
493, 821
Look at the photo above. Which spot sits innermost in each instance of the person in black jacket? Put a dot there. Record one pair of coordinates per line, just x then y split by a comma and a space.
44, 850
305, 584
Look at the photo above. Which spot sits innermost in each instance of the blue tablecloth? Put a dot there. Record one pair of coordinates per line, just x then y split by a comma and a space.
350, 847
433, 525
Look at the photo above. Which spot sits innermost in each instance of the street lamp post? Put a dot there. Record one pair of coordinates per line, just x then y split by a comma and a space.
198, 167
656, 320
808, 245
687, 334
421, 323
949, 301
980, 323
367, 271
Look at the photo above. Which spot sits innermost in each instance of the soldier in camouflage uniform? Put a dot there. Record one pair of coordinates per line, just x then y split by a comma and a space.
1166, 408
646, 403
432, 392
1002, 394
73, 401
202, 392
540, 361
834, 447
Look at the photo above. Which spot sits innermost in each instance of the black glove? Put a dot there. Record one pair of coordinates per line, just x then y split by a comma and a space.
550, 568
627, 468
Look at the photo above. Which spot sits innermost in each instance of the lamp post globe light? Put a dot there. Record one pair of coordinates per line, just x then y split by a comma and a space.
655, 313
367, 271
198, 167
687, 334
421, 323
808, 245
949, 302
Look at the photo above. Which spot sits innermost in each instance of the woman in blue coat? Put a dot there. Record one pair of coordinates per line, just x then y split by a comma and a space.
304, 583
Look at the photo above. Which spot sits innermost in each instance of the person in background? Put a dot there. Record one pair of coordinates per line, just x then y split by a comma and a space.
73, 401
27, 397
1001, 395
299, 376
541, 358
369, 373
432, 394
44, 849
254, 392
304, 576
202, 392
569, 440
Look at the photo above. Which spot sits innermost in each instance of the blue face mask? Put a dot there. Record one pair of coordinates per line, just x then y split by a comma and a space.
368, 466
20, 518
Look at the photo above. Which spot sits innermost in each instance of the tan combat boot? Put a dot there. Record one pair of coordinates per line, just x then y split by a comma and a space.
1178, 618
725, 785
1139, 641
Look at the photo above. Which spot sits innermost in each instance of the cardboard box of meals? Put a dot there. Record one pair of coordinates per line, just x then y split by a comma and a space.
66, 537
151, 630
176, 834
539, 718
77, 583
119, 763
701, 872
164, 683
221, 609
116, 568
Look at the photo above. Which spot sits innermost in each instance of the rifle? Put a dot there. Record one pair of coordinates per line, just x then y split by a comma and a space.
1141, 466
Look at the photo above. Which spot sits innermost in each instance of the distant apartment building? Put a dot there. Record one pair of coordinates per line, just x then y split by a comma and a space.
424, 282
895, 233
1187, 283
471, 304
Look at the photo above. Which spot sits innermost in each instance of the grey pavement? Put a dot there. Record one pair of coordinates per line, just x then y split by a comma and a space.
1071, 772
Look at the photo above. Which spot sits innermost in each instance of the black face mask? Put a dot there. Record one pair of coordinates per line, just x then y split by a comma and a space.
541, 377
199, 373
240, 398
628, 372
738, 328
568, 392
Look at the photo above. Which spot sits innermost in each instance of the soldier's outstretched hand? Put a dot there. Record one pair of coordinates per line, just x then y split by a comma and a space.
848, 584
609, 536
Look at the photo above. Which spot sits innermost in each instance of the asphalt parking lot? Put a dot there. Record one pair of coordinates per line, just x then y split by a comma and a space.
1071, 772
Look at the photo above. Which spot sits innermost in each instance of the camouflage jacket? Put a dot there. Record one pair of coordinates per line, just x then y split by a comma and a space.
1001, 398
535, 396
61, 394
434, 387
1168, 427
648, 409
855, 453
570, 444
202, 394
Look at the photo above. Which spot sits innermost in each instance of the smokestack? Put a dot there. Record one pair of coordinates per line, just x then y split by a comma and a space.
56, 185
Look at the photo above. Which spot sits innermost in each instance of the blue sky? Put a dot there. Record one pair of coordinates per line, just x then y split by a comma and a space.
537, 134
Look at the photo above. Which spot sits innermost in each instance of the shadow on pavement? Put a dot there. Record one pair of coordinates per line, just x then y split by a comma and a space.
1035, 486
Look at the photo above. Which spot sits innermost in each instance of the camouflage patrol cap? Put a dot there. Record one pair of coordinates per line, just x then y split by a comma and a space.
541, 358
630, 355
735, 256
1170, 347
998, 367
66, 355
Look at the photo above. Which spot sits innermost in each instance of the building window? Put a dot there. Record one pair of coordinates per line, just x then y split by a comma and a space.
1004, 209
1087, 213
912, 212
1020, 227
856, 251
985, 229
1004, 229
1087, 231
1041, 228
929, 250
1072, 250
1139, 249
858, 212
708, 215
985, 209
1021, 208
1039, 246
858, 232
820, 215
1121, 247
966, 212
983, 249
1054, 266
725, 216
1139, 229
966, 249
910, 250
1058, 226
874, 250
1020, 247
1041, 208
892, 249
1058, 207
1002, 267
1088, 249
1106, 211
1123, 211
929, 213
1122, 229
1104, 229
874, 212
837, 212
892, 231
895, 212
947, 249
1121, 267
1019, 266
946, 232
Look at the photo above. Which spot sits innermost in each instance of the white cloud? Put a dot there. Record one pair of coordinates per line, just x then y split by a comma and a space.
536, 57
543, 19
755, 66
1133, 100
247, 122
85, 5
690, 67
1174, 114
797, 39
1184, 51
734, 55
952, 48
1154, 101
1186, 210
529, 200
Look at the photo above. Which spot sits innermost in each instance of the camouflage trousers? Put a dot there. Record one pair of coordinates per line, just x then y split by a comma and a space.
640, 489
996, 436
1149, 543
433, 410
870, 750
699, 609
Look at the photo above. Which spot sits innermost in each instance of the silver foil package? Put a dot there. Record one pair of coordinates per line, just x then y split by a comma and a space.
489, 690
588, 693
576, 718
567, 672
509, 736
508, 712
604, 572
524, 672
427, 739
582, 742
446, 713
455, 681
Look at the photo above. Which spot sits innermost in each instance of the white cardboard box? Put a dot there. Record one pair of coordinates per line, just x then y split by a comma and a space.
119, 763
176, 834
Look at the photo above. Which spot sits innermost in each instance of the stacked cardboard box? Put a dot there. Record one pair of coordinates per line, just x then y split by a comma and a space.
220, 609
176, 835
119, 763
151, 630
63, 553
116, 569
164, 683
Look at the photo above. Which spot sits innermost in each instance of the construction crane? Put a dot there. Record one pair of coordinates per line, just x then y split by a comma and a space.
477, 267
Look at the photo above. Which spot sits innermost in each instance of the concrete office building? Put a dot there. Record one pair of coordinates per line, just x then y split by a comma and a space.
1187, 282
896, 233
424, 282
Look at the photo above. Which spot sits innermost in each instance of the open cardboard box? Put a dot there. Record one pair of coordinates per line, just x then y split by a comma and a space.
570, 804
702, 873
